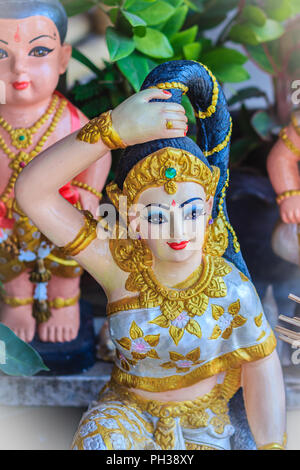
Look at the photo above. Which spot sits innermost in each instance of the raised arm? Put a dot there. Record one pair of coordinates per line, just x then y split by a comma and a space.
135, 121
264, 397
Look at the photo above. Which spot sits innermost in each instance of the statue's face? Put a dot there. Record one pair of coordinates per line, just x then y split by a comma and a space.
173, 225
31, 59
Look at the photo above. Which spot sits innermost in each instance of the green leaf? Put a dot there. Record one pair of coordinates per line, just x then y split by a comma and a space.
244, 34
262, 124
192, 51
241, 148
175, 23
20, 358
76, 54
75, 7
232, 73
184, 37
255, 15
295, 6
258, 55
279, 10
190, 113
154, 44
175, 3
134, 20
223, 56
135, 68
157, 13
246, 94
195, 5
270, 31
118, 46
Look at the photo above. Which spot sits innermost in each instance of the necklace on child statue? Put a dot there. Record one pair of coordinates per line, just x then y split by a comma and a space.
21, 138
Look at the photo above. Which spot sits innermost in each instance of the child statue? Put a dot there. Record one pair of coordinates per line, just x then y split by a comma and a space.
186, 321
41, 285
283, 169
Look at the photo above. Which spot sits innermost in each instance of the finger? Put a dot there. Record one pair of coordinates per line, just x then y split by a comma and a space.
154, 94
176, 124
173, 133
291, 217
173, 107
175, 117
297, 214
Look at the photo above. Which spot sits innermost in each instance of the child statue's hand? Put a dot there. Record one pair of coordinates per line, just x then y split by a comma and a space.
136, 120
290, 210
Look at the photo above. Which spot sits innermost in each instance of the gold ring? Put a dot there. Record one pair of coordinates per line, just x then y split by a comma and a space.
169, 125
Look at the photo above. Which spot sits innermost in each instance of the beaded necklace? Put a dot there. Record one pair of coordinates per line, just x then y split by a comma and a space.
21, 138
21, 159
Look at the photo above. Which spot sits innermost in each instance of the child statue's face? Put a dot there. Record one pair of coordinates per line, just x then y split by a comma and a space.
31, 59
173, 225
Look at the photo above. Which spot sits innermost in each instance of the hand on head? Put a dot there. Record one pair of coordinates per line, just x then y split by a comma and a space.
136, 120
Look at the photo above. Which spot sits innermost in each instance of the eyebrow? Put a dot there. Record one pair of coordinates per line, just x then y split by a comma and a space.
42, 36
158, 205
1, 40
191, 200
163, 206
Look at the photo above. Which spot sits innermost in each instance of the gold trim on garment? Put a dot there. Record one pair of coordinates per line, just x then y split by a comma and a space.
192, 413
220, 364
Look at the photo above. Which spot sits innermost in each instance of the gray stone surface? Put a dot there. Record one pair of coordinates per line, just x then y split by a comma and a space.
67, 391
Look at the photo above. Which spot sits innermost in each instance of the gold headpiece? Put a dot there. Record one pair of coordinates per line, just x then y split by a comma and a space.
165, 167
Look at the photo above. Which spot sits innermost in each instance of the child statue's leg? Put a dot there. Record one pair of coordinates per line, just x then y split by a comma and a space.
16, 307
63, 325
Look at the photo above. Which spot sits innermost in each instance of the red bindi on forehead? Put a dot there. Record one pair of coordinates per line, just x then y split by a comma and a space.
173, 203
17, 36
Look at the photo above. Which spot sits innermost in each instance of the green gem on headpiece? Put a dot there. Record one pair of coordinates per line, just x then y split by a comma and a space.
170, 173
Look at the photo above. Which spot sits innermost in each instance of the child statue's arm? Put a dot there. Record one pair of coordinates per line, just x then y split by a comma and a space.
264, 397
282, 165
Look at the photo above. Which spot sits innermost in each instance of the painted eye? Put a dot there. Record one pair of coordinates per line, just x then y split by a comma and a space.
3, 54
156, 218
194, 213
40, 51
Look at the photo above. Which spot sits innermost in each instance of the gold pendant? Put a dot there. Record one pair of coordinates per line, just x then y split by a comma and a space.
20, 161
21, 138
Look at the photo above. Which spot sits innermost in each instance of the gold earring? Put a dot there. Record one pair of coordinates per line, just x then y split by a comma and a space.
216, 237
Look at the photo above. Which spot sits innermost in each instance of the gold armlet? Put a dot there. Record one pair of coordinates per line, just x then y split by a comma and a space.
288, 143
87, 187
101, 128
295, 124
286, 194
85, 236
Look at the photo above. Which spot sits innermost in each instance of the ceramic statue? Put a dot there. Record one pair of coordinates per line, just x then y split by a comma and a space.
41, 285
186, 321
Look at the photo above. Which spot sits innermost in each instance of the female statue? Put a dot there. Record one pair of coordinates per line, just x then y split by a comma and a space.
185, 319
41, 286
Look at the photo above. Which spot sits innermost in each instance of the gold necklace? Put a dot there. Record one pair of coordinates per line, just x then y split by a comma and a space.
135, 257
21, 138
20, 160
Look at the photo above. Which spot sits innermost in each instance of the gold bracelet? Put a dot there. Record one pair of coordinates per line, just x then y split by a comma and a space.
286, 194
87, 187
101, 128
272, 446
288, 143
85, 236
295, 124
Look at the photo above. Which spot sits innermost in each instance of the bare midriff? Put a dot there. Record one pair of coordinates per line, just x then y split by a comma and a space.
188, 393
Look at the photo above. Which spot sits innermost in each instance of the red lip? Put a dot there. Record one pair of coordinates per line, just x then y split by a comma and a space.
178, 246
20, 85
